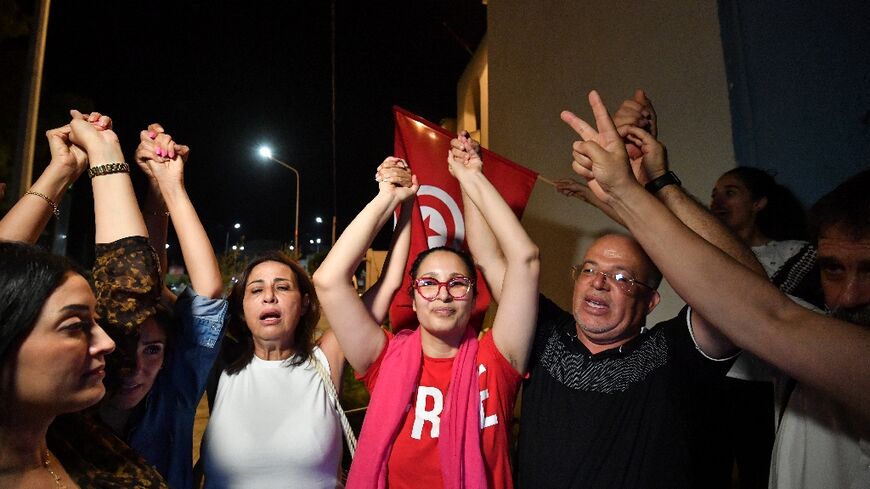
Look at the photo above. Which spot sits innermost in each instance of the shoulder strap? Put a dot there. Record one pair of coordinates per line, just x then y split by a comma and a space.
333, 395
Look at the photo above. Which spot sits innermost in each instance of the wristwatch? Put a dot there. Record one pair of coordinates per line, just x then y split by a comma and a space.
669, 178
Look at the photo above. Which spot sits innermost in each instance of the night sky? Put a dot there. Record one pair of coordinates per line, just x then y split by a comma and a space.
224, 77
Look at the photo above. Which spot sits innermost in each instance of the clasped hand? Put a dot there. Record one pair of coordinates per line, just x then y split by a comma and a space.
394, 176
160, 157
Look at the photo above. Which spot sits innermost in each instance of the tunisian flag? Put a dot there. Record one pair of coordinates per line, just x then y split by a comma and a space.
437, 219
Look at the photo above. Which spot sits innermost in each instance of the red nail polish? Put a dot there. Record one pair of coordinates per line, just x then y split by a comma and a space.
152, 134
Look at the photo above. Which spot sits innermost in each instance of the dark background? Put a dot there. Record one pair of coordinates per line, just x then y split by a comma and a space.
224, 77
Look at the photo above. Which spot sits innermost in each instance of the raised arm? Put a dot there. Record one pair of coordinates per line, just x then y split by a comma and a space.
378, 298
829, 354
26, 220
154, 209
572, 188
357, 331
651, 164
116, 212
199, 257
514, 323
481, 242
634, 112
699, 219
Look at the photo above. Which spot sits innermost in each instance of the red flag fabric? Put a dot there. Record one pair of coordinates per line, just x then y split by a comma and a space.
437, 219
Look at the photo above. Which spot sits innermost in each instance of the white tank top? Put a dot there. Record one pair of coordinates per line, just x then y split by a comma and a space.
272, 425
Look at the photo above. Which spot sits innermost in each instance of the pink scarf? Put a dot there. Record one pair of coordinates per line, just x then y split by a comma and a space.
459, 442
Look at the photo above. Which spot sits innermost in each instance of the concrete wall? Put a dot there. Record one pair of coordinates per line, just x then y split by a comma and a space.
544, 56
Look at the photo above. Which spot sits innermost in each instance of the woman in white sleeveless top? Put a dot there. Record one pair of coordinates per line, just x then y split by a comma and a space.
272, 422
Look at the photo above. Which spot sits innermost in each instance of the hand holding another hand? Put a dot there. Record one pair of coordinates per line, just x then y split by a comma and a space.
653, 160
161, 158
155, 144
637, 112
93, 133
67, 157
464, 156
395, 177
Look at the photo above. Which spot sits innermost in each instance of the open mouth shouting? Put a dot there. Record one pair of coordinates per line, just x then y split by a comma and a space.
270, 316
595, 305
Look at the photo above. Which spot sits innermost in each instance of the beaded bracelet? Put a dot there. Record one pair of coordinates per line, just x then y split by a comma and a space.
108, 169
54, 208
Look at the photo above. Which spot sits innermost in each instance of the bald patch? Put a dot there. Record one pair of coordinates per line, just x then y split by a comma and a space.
624, 247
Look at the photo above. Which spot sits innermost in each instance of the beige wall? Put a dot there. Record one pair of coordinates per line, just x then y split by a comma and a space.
544, 56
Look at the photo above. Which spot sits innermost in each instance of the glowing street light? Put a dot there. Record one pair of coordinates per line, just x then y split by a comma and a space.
318, 220
266, 153
227, 240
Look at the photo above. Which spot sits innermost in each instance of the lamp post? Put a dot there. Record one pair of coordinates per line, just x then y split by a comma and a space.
227, 241
266, 152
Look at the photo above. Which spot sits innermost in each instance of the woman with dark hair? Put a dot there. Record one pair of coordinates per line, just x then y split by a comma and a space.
52, 362
167, 345
770, 219
441, 400
272, 423
52, 359
153, 390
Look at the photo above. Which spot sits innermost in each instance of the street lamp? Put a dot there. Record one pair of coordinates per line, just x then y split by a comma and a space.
227, 241
266, 153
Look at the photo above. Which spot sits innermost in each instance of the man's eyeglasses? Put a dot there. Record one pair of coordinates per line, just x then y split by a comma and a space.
623, 281
428, 288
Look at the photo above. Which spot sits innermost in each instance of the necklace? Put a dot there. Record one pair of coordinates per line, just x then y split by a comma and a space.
46, 462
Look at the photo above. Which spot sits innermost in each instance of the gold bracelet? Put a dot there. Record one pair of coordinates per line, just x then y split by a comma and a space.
108, 169
54, 209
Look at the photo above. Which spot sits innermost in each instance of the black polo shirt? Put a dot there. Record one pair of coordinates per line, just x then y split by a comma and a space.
638, 416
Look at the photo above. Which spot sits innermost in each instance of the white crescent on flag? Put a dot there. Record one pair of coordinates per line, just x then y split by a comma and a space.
447, 231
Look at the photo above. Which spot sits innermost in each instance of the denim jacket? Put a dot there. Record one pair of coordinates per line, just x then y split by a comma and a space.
163, 435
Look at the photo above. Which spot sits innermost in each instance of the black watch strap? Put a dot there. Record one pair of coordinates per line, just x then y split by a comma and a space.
669, 178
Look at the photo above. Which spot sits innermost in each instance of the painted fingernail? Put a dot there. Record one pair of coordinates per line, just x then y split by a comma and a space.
152, 134
160, 152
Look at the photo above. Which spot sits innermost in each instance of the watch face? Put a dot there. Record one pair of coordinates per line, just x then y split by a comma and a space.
669, 178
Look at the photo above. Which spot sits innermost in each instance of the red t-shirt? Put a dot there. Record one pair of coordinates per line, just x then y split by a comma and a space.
414, 461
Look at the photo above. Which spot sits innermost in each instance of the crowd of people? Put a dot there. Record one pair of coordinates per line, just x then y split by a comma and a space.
764, 372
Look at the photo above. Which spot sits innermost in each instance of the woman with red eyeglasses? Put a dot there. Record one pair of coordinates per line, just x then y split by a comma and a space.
441, 399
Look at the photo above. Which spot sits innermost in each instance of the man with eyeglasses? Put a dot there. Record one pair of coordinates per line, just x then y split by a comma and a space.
610, 402
824, 437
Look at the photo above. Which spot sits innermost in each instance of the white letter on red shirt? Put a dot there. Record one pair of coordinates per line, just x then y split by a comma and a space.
485, 420
421, 415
